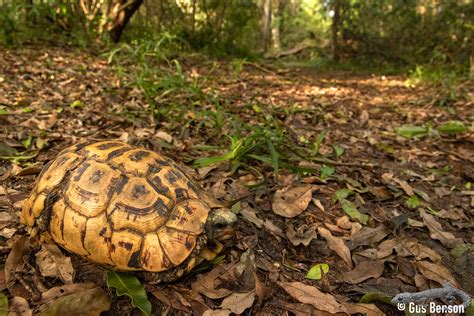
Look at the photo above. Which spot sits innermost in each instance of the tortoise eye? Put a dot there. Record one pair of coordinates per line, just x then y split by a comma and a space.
220, 225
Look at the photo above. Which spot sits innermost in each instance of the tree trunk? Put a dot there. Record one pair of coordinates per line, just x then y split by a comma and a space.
267, 20
276, 24
336, 8
122, 17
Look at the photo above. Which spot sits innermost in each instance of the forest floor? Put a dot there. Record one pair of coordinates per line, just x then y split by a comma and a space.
386, 213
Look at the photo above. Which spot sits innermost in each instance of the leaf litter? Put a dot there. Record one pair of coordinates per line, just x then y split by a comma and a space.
288, 216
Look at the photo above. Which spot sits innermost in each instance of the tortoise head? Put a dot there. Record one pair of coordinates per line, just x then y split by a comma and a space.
220, 225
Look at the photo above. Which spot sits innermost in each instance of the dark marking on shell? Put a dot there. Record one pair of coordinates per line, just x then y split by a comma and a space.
188, 244
153, 169
82, 168
109, 145
159, 206
181, 194
139, 155
171, 176
126, 245
103, 231
118, 152
157, 184
188, 209
121, 183
60, 161
134, 261
95, 177
139, 190
191, 186
162, 162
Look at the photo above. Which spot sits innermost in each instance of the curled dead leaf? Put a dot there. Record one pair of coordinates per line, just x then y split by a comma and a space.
437, 232
311, 295
336, 244
238, 302
291, 202
436, 272
52, 262
19, 307
301, 235
89, 302
363, 271
15, 257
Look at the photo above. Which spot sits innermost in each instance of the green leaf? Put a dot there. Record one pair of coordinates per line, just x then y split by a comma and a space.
27, 110
3, 304
351, 210
87, 302
129, 285
375, 296
410, 131
317, 271
338, 150
326, 171
3, 112
342, 194
412, 202
77, 104
27, 142
452, 127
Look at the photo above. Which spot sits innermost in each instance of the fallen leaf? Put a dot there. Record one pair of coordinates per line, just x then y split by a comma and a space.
412, 247
19, 307
363, 271
317, 271
291, 202
367, 236
217, 312
209, 284
437, 232
336, 244
311, 295
250, 215
303, 235
238, 302
405, 186
436, 272
90, 302
362, 309
52, 262
164, 136
15, 257
58, 291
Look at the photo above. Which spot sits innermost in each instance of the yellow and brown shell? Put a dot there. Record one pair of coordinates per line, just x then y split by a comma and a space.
125, 207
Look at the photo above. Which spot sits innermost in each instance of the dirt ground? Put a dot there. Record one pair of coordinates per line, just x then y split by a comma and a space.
405, 225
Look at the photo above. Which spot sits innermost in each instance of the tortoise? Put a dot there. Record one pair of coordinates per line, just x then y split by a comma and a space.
127, 208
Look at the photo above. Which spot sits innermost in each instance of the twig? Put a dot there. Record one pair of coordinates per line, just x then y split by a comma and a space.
447, 291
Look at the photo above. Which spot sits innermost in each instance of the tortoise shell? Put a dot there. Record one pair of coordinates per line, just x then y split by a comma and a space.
125, 207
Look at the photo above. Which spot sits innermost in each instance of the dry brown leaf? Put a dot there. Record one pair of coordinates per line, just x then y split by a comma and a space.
336, 244
363, 271
367, 236
217, 312
250, 215
19, 307
238, 302
291, 202
412, 247
58, 291
310, 295
164, 136
7, 232
362, 309
52, 262
344, 222
170, 300
405, 186
90, 302
303, 235
385, 248
436, 272
209, 284
274, 229
15, 257
437, 232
